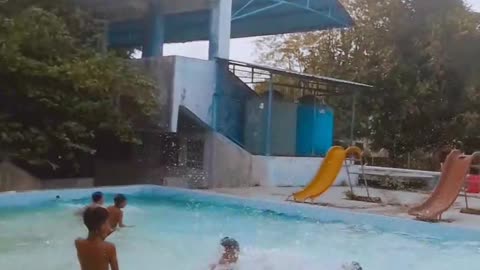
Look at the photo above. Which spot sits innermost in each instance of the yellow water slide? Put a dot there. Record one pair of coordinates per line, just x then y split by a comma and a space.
326, 174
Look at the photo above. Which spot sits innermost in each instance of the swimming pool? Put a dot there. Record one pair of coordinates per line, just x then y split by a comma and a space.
179, 229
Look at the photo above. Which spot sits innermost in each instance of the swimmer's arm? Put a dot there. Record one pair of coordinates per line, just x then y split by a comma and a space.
120, 223
113, 258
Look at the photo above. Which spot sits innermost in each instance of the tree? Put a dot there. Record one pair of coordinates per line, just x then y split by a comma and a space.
420, 55
58, 91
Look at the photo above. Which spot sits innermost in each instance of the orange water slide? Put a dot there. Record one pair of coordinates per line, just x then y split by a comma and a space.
447, 164
454, 171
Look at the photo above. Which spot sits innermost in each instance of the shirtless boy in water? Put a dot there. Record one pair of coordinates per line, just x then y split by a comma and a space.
230, 255
116, 213
97, 201
94, 253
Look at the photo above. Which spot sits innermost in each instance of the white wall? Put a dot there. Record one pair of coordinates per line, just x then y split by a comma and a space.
193, 88
293, 171
228, 165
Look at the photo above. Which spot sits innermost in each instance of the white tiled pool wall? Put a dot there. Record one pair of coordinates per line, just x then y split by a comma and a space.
323, 214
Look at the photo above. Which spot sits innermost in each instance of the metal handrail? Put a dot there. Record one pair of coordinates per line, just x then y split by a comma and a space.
473, 156
356, 151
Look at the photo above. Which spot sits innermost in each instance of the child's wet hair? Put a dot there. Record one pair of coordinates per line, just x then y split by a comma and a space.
97, 196
119, 199
230, 243
94, 218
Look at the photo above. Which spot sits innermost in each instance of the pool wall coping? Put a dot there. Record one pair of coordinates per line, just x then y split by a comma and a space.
397, 225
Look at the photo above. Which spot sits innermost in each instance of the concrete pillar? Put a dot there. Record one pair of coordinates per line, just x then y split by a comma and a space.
268, 139
155, 34
220, 29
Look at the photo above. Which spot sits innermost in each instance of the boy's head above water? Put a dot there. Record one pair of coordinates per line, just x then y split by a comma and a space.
230, 244
97, 198
120, 201
95, 219
232, 248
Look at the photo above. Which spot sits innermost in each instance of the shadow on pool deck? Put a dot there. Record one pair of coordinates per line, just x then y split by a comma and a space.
395, 203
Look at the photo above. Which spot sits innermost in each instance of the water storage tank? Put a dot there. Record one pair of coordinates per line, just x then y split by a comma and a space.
315, 122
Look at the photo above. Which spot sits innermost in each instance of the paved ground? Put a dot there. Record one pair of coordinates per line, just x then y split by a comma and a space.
395, 203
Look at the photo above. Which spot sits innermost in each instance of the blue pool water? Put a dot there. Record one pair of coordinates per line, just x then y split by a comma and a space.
182, 231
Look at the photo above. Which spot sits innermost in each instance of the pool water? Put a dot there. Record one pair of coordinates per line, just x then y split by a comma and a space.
182, 234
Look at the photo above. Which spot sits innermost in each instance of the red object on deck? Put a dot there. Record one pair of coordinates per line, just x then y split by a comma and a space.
473, 182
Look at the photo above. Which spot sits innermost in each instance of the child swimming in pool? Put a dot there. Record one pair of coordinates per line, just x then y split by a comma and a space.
93, 252
97, 201
116, 213
230, 255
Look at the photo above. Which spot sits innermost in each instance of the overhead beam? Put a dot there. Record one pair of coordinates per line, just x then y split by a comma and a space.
256, 11
327, 15
237, 12
326, 12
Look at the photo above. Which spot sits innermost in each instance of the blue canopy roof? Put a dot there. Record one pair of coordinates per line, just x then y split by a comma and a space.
249, 18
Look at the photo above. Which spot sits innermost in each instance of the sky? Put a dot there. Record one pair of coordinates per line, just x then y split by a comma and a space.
240, 49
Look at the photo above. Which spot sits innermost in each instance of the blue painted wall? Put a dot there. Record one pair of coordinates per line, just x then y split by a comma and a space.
231, 101
195, 83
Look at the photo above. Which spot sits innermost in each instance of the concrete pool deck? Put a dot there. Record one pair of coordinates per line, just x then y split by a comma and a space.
395, 203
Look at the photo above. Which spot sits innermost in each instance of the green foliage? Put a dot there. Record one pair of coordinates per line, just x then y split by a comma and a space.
57, 90
421, 56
